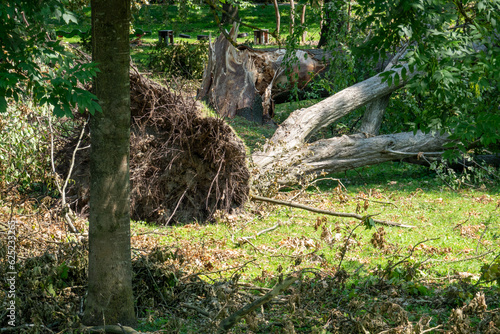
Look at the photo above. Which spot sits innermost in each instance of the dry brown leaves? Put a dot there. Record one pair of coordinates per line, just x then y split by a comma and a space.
471, 231
428, 249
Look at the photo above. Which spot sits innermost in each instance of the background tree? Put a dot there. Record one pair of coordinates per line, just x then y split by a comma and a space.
278, 16
110, 298
34, 64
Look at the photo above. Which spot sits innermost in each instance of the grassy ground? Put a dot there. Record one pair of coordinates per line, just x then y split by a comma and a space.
351, 273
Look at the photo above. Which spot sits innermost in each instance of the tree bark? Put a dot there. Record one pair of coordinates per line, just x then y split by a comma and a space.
229, 81
326, 23
373, 116
348, 152
241, 81
110, 298
278, 16
302, 21
292, 16
230, 13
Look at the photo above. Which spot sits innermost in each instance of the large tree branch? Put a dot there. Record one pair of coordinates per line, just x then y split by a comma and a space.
374, 114
301, 124
348, 152
326, 212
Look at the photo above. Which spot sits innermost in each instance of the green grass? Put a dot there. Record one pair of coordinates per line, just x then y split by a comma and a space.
396, 192
452, 230
200, 21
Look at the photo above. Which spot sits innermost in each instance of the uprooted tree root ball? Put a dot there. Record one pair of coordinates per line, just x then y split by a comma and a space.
183, 166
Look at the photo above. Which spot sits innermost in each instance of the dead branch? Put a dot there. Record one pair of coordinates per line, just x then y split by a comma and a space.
375, 201
197, 309
62, 189
230, 321
113, 329
242, 241
326, 212
262, 232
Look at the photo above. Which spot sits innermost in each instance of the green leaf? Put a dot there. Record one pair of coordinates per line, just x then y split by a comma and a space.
69, 17
369, 222
3, 104
396, 79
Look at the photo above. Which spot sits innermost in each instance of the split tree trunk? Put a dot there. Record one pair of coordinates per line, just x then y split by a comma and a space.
242, 81
289, 148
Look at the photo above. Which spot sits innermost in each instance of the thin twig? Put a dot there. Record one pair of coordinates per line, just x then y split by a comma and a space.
262, 232
485, 271
219, 271
375, 201
480, 238
244, 240
62, 190
197, 309
346, 246
462, 260
176, 207
313, 182
389, 268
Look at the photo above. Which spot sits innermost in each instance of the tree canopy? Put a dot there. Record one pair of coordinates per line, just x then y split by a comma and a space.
34, 63
455, 47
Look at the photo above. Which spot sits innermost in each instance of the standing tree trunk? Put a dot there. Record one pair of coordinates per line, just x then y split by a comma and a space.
302, 21
326, 22
292, 16
230, 13
110, 298
278, 17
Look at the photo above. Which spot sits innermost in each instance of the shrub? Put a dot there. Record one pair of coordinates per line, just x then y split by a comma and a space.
24, 154
180, 60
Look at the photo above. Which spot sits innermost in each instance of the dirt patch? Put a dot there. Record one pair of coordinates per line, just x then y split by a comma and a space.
183, 166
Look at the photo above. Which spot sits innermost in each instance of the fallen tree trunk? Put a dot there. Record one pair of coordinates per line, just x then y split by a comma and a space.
290, 139
347, 152
290, 155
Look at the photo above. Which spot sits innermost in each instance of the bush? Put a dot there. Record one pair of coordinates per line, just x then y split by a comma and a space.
24, 154
180, 60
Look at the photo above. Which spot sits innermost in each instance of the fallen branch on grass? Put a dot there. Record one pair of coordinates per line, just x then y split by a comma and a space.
246, 240
113, 329
261, 232
326, 212
230, 321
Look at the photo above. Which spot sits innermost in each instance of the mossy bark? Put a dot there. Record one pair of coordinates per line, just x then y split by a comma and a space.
110, 298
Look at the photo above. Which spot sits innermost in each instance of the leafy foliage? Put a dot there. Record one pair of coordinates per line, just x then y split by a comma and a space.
22, 158
455, 45
34, 65
180, 60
